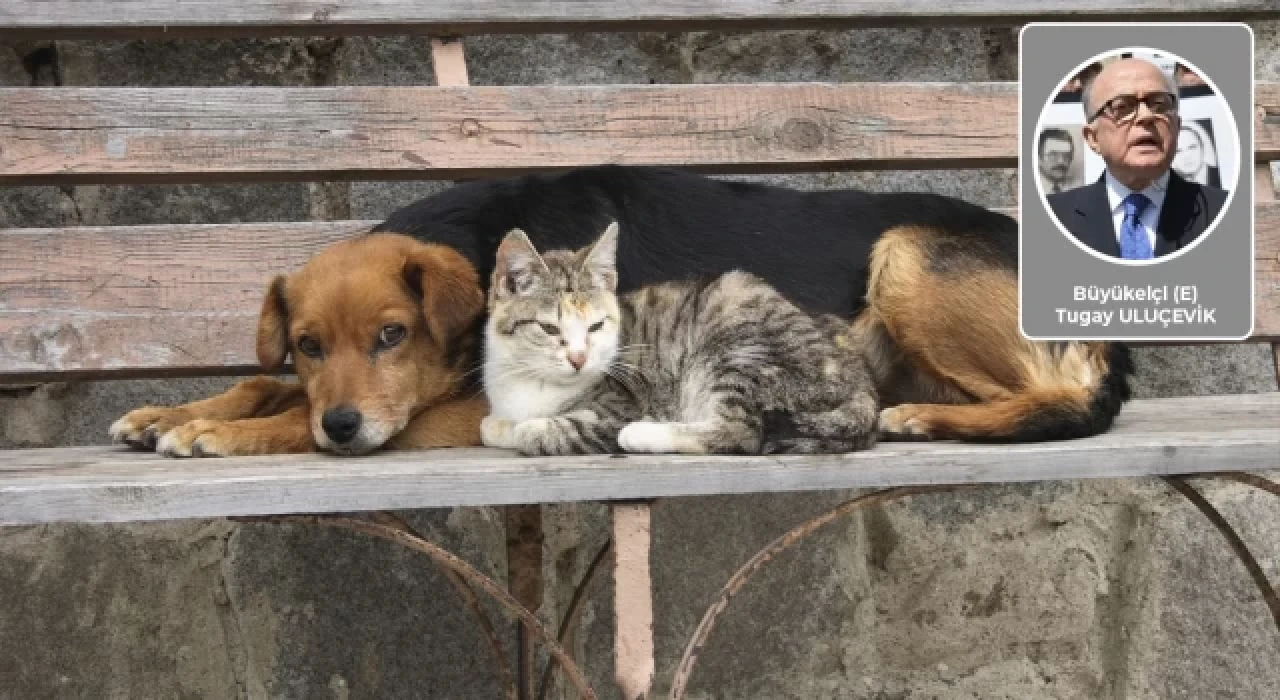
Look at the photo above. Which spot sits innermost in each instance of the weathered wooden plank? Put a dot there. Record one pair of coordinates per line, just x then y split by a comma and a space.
1152, 437
1266, 287
1264, 187
449, 62
108, 135
144, 300
150, 18
77, 135
1267, 129
173, 299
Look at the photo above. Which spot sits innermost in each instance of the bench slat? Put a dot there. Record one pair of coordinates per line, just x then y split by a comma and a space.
166, 18
1267, 129
183, 299
170, 135
143, 299
111, 135
1151, 437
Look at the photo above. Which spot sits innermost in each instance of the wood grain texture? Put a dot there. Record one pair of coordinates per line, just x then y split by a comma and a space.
171, 135
151, 18
1267, 121
184, 297
1266, 288
1152, 437
82, 135
449, 62
164, 300
1264, 187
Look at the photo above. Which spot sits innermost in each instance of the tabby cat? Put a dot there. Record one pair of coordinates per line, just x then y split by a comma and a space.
724, 366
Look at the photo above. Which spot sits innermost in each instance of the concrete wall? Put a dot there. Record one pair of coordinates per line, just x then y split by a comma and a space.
1065, 590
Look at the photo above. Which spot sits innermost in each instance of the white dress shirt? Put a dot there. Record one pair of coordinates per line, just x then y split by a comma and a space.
1117, 191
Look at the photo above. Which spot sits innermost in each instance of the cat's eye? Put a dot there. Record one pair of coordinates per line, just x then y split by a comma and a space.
308, 346
391, 335
550, 328
595, 326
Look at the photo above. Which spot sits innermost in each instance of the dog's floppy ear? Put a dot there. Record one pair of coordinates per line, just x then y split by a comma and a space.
273, 327
449, 288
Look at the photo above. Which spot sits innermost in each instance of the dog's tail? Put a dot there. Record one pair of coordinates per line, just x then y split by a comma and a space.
1063, 413
941, 334
1047, 409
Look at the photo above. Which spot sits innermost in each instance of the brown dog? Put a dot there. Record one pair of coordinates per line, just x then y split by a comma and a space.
381, 328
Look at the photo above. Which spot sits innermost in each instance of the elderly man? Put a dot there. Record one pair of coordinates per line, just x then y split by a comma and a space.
1139, 209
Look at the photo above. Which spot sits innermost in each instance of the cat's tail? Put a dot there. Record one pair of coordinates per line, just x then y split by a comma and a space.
848, 428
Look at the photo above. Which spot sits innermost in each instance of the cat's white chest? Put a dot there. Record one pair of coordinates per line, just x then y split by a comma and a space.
519, 400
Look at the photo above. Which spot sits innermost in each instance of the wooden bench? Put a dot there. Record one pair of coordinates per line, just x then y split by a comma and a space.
182, 300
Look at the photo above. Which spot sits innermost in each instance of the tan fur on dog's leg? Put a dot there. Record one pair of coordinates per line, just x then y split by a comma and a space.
452, 424
257, 397
283, 433
956, 328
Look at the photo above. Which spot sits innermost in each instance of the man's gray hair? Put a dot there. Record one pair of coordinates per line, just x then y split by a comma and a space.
1087, 92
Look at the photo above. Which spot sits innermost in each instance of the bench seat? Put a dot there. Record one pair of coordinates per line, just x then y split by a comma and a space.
114, 484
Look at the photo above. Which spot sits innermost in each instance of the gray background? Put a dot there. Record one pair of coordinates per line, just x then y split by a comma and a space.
1221, 265
1070, 590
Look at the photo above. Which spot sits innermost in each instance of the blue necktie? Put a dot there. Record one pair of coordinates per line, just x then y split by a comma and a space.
1134, 243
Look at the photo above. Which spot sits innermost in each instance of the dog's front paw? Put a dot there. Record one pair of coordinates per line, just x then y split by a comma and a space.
498, 432
142, 428
647, 436
198, 438
902, 423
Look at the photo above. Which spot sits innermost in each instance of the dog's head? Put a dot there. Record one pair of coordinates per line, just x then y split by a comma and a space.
379, 327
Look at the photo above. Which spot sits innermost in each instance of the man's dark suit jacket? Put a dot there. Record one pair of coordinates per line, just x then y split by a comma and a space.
1189, 208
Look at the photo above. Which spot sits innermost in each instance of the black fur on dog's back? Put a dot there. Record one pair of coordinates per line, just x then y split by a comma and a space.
811, 246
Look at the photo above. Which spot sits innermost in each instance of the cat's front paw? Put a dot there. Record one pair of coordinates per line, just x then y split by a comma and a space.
498, 432
535, 437
647, 436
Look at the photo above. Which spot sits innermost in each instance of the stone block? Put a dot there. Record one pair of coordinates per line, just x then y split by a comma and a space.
136, 611
1200, 370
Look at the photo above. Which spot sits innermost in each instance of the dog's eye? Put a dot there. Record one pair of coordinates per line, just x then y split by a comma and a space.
391, 335
595, 326
549, 328
308, 346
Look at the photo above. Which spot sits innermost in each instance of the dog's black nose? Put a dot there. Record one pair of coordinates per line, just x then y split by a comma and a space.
341, 423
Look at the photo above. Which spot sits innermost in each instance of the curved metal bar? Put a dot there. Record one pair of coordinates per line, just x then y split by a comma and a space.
1244, 478
466, 571
473, 604
739, 579
571, 615
1259, 576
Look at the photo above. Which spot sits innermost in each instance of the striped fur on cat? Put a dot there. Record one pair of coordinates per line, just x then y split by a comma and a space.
725, 365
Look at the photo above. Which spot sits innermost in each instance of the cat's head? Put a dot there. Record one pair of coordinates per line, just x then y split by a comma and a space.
554, 316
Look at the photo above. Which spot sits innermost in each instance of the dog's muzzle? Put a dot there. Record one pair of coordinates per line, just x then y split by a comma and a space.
341, 424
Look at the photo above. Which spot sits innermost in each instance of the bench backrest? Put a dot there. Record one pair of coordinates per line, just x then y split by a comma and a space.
127, 301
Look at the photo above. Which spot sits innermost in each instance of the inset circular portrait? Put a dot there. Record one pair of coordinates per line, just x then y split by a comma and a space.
1136, 156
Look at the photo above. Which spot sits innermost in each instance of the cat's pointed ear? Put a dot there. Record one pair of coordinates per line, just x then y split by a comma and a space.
517, 266
601, 261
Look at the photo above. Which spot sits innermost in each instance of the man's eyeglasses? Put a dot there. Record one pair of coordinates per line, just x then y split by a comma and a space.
1122, 108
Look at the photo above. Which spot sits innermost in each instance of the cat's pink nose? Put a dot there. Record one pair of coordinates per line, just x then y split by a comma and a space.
577, 359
